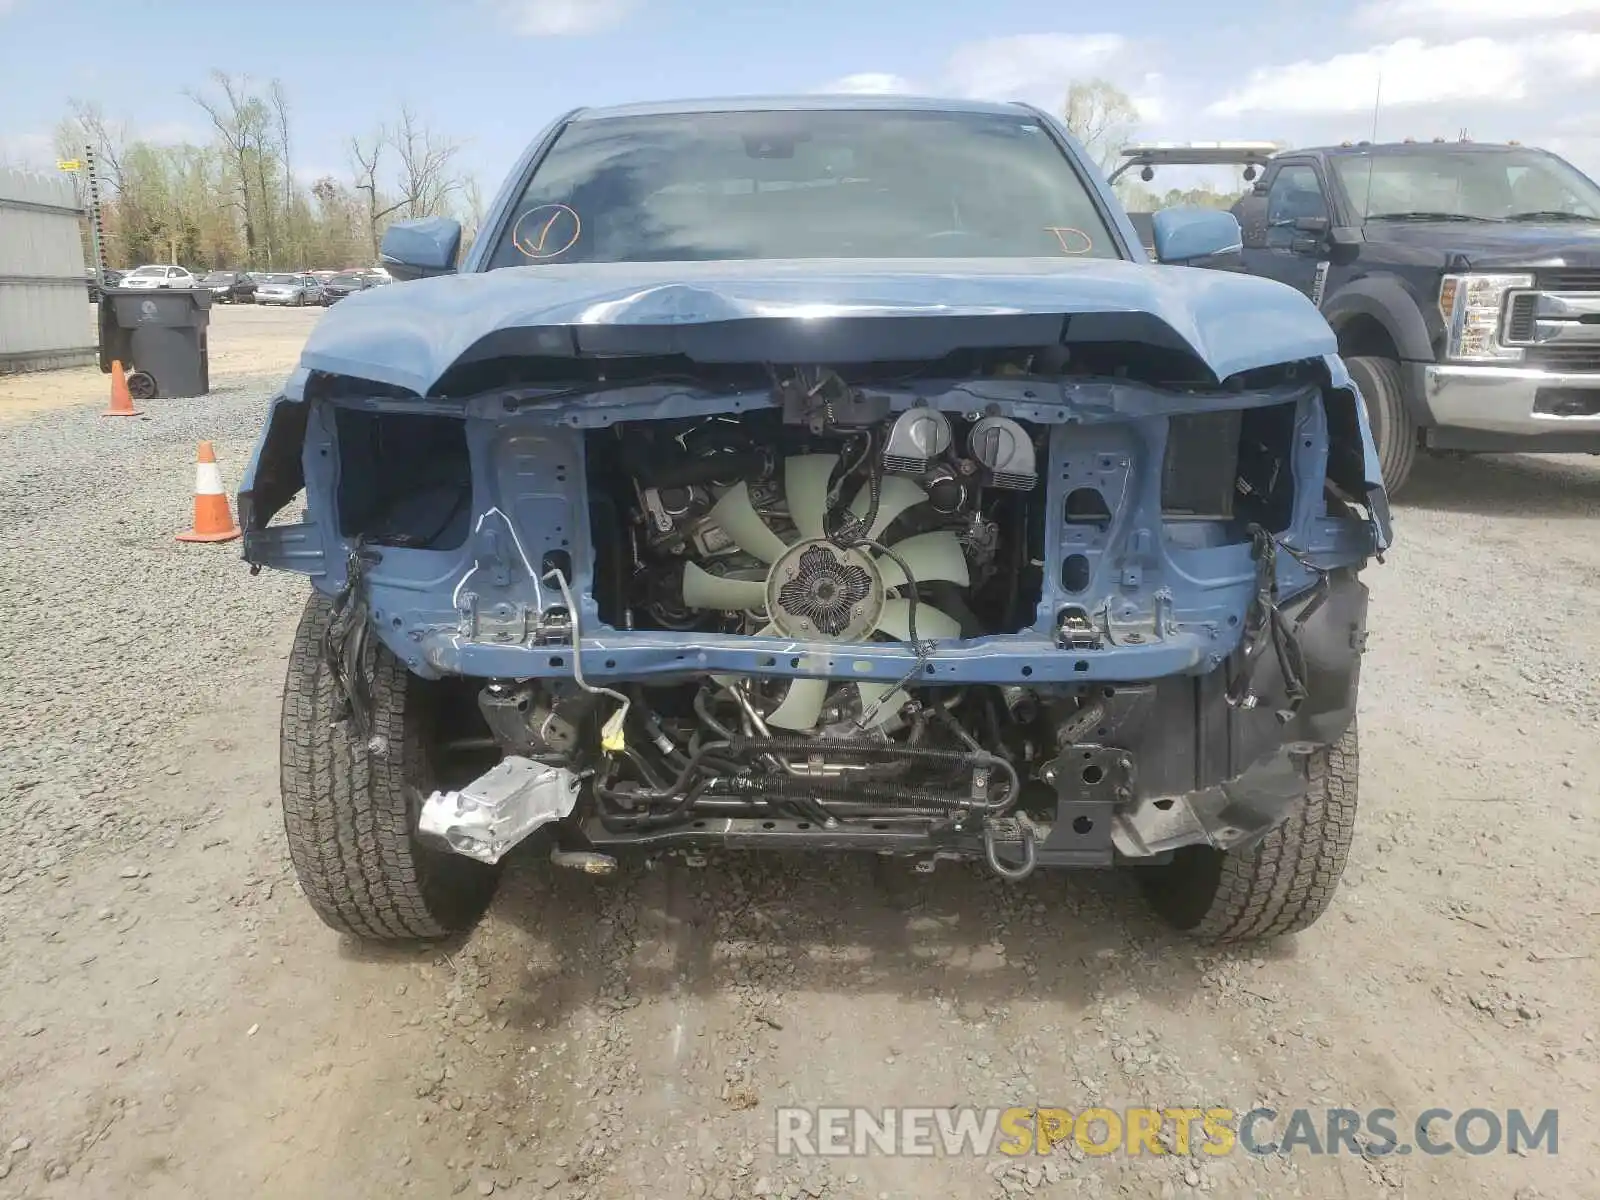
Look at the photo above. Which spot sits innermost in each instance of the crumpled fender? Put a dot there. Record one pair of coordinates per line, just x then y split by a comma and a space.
1352, 454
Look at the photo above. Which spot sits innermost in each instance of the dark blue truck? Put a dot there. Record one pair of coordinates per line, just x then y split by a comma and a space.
1462, 280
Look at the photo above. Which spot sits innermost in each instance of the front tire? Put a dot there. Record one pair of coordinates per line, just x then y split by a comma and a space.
1393, 431
1284, 882
351, 816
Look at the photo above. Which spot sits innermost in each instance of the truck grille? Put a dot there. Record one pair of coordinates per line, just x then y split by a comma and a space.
1564, 358
1568, 279
1519, 321
1524, 322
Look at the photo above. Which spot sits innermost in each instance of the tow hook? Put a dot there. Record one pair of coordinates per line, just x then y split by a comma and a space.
926, 866
1016, 836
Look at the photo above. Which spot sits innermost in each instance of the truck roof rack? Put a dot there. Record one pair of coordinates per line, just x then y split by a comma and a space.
1150, 155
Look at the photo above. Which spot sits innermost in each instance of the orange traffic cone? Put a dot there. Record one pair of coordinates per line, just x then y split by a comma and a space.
121, 401
213, 519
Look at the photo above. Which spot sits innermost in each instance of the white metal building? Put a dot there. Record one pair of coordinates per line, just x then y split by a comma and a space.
46, 319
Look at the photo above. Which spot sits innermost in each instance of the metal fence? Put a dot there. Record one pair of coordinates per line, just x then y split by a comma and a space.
46, 319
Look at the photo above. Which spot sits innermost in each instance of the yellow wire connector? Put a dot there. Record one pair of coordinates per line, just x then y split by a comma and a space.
613, 738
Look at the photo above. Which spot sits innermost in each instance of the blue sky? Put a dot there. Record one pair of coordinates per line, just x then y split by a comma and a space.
492, 72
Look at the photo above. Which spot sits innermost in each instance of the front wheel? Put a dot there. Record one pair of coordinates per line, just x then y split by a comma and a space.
1282, 883
351, 814
1393, 431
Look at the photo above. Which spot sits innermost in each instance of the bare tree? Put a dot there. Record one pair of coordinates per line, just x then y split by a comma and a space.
233, 121
1101, 116
427, 175
368, 160
223, 202
87, 126
280, 110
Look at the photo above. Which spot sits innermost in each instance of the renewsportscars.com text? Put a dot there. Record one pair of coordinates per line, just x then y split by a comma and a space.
1214, 1131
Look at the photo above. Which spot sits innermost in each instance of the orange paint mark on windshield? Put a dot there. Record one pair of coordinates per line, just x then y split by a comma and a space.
1072, 241
548, 231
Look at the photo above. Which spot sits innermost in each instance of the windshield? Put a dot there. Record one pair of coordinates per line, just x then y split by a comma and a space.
817, 184
348, 277
1481, 185
280, 279
220, 277
147, 272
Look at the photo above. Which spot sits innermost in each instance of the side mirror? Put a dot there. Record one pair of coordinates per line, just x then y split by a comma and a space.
420, 248
1311, 235
1182, 235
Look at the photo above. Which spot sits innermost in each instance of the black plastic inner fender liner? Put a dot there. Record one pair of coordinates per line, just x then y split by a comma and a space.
1223, 741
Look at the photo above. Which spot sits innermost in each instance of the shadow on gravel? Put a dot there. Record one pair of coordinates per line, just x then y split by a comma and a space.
353, 949
1516, 485
844, 926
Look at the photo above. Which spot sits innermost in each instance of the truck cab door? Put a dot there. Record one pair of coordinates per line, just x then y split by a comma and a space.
1291, 243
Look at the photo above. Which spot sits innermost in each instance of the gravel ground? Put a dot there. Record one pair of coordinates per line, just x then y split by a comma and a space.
109, 612
174, 1022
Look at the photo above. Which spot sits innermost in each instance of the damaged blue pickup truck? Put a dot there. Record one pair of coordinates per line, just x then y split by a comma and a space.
833, 474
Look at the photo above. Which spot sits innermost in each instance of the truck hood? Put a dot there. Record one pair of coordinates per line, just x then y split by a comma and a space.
830, 310
1462, 246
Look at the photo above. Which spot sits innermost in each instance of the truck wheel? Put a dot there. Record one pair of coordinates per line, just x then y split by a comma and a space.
351, 816
1393, 431
1284, 882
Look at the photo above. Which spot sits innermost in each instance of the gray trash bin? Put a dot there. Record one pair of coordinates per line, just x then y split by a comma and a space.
160, 333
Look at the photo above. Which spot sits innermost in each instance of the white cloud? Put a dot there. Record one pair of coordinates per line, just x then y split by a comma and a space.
870, 83
1460, 15
1033, 66
169, 133
1576, 54
36, 151
565, 18
1413, 72
1150, 98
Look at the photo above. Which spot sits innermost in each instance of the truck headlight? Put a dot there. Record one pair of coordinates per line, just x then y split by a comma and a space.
1473, 307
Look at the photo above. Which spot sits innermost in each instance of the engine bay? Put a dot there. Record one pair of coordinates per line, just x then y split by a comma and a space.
915, 613
821, 525
825, 520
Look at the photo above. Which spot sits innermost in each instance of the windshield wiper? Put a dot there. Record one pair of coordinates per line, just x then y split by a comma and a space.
1550, 214
1426, 216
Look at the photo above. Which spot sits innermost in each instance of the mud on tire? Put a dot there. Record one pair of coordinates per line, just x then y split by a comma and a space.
350, 816
1284, 882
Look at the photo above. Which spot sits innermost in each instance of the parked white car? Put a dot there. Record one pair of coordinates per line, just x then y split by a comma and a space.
158, 276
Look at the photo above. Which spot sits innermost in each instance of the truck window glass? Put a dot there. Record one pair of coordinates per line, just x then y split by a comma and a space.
1484, 185
804, 185
1296, 193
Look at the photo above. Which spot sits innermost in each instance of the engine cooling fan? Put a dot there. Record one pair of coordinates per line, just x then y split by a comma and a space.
816, 591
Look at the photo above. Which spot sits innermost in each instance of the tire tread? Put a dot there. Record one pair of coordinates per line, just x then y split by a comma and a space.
1395, 432
1286, 881
347, 813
